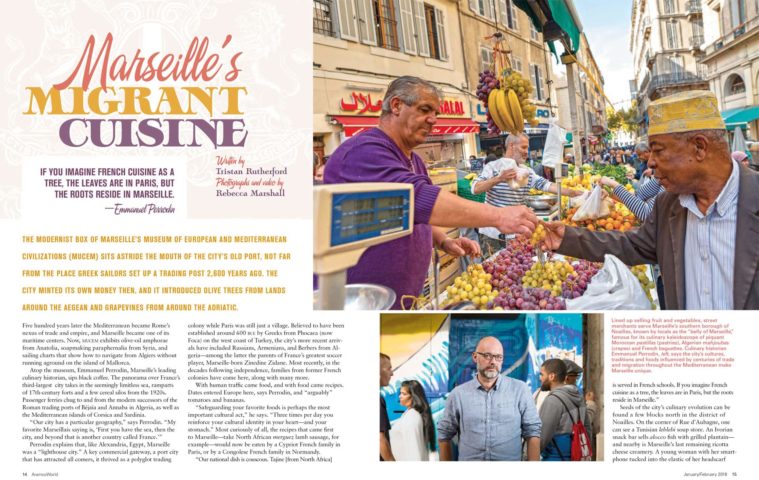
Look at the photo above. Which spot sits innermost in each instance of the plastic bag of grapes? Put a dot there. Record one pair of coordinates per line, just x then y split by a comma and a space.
614, 287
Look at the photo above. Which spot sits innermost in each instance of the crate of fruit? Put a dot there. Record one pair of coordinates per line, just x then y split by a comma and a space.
464, 190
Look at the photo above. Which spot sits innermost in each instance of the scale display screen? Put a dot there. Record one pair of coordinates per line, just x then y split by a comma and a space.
362, 215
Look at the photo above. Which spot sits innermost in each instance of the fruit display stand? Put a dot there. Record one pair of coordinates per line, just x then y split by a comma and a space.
513, 279
445, 178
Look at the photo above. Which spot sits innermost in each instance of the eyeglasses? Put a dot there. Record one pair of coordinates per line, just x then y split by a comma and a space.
490, 356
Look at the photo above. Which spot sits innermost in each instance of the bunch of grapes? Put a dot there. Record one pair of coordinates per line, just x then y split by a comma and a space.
640, 272
488, 82
576, 284
538, 235
513, 80
549, 276
511, 263
519, 298
472, 285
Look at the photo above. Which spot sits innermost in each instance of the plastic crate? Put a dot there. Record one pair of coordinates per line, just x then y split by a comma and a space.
464, 190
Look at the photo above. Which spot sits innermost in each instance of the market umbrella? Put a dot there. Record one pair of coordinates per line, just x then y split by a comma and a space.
739, 141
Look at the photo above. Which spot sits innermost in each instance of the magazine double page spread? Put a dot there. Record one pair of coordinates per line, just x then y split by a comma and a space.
537, 218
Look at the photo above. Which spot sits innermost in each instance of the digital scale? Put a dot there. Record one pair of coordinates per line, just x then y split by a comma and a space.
348, 219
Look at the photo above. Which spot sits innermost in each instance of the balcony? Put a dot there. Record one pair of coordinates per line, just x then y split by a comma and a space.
693, 9
743, 31
675, 81
695, 43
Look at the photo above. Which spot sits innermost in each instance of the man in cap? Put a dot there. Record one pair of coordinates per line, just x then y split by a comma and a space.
491, 414
559, 411
702, 230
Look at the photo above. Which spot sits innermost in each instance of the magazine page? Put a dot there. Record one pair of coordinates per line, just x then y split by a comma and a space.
541, 216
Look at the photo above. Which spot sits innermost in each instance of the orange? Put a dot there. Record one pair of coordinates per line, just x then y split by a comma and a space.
591, 227
617, 225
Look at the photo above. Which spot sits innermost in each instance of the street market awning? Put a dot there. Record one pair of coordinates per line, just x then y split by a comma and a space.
444, 126
556, 19
740, 117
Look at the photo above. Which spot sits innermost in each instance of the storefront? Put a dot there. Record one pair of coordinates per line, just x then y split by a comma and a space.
353, 107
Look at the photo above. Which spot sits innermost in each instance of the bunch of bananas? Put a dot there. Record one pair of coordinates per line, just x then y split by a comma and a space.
514, 80
506, 111
509, 105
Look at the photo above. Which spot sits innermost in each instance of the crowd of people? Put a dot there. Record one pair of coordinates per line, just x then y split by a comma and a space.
697, 203
492, 416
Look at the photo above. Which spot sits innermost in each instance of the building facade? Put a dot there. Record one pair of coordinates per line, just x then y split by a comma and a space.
360, 46
732, 61
590, 100
666, 41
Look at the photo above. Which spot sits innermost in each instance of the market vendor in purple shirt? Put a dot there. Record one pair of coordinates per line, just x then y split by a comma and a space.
384, 154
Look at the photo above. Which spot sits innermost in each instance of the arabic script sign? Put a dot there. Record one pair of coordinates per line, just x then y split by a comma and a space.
361, 103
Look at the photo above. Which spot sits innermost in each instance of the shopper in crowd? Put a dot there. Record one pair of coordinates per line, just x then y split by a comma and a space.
643, 153
641, 202
740, 157
413, 435
701, 231
494, 181
386, 372
559, 411
491, 414
385, 154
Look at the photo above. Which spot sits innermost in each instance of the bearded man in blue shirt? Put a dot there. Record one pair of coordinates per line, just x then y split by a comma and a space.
490, 414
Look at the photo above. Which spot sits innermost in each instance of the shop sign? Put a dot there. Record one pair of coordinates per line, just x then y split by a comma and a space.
451, 107
360, 103
542, 113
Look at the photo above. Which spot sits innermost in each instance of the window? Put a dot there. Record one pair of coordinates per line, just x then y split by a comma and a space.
516, 63
673, 64
387, 24
737, 12
734, 85
323, 18
673, 37
669, 6
483, 8
435, 32
533, 32
508, 14
346, 13
536, 77
486, 58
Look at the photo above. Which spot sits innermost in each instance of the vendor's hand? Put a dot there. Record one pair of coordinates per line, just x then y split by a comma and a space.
576, 193
554, 235
648, 172
458, 247
506, 175
590, 396
609, 182
520, 220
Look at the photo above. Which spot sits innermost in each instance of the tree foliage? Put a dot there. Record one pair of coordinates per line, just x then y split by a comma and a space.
623, 119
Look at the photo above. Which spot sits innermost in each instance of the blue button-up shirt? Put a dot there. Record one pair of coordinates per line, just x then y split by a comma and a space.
490, 423
710, 249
